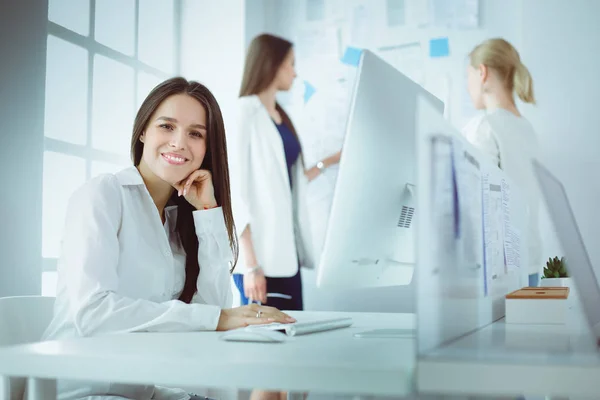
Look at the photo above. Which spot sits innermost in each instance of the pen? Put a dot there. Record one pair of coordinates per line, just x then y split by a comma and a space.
251, 301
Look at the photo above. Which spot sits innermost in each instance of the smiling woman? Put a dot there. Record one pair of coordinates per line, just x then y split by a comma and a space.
151, 247
170, 147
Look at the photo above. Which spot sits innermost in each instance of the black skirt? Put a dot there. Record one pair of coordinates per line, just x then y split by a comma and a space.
282, 293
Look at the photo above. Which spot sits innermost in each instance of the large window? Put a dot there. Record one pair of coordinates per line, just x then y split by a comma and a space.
103, 58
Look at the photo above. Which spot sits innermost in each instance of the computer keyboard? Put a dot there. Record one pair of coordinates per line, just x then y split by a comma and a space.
306, 327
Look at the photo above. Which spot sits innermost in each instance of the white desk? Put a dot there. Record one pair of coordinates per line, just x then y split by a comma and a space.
502, 359
326, 362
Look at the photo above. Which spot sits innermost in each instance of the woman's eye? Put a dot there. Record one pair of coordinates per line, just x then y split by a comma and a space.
167, 126
196, 134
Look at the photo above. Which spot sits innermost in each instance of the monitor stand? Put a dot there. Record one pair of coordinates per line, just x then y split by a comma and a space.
387, 333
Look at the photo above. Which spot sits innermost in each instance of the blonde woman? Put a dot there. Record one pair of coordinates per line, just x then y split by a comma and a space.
495, 75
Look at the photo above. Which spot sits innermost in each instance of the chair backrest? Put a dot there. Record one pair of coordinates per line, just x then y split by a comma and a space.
24, 320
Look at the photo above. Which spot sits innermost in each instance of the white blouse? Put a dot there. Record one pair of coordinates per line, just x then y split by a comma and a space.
511, 143
121, 270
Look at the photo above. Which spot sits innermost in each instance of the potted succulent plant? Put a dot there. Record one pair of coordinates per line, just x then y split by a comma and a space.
556, 273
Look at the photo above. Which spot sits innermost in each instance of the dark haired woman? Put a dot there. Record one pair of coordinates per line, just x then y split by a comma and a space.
271, 181
151, 247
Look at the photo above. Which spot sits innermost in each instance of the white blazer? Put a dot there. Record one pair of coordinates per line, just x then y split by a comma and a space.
261, 194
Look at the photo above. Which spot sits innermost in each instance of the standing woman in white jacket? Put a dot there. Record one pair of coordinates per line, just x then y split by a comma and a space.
270, 181
495, 73
150, 248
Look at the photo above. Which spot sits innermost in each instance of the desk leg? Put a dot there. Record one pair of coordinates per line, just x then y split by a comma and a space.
41, 389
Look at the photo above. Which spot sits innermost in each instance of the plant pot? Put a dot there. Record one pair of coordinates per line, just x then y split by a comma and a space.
560, 282
557, 282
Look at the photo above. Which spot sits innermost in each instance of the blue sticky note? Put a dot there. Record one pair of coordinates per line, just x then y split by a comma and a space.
439, 47
309, 90
352, 56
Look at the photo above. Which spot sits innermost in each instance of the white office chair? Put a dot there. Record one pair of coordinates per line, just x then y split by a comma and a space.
24, 320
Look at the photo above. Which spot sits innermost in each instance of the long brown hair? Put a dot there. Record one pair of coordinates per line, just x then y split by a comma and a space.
214, 161
265, 55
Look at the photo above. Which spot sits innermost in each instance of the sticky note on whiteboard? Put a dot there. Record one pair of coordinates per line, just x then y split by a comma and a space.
352, 56
439, 47
309, 90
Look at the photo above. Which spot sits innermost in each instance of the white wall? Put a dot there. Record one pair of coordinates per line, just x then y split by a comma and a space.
255, 19
212, 43
22, 78
560, 46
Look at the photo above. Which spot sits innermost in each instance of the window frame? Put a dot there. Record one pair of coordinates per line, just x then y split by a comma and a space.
88, 42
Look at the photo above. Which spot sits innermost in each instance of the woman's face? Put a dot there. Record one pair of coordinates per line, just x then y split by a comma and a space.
175, 139
475, 80
286, 73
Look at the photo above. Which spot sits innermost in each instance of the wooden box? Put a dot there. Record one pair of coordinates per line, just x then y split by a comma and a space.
537, 305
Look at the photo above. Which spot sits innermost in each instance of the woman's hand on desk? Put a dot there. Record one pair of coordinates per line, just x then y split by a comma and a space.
252, 314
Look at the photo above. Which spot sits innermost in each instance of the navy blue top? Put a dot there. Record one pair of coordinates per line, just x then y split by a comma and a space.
291, 147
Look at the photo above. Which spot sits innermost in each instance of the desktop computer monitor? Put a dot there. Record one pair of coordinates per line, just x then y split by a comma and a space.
370, 233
